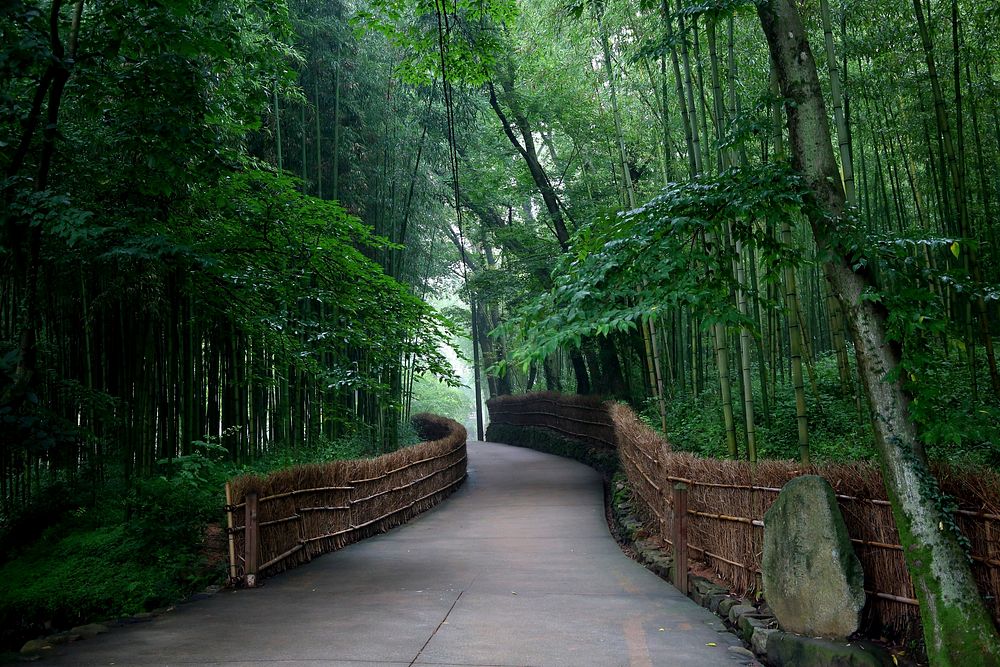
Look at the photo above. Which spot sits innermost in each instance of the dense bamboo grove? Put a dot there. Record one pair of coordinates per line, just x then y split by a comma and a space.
164, 280
770, 227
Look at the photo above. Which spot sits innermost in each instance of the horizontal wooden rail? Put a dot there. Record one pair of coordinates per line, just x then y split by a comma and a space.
304, 541
326, 536
575, 420
642, 472
726, 517
406, 507
406, 486
894, 598
694, 547
297, 492
281, 557
275, 522
578, 436
408, 465
839, 496
328, 508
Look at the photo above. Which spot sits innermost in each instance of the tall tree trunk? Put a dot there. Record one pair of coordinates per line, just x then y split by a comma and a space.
525, 146
319, 141
277, 130
476, 372
795, 351
26, 373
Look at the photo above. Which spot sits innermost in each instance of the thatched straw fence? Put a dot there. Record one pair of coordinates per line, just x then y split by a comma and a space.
302, 512
583, 418
727, 501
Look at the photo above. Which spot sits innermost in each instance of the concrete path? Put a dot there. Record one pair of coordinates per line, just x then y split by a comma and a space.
516, 568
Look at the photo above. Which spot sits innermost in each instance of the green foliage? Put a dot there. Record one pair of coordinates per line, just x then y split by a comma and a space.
135, 549
836, 431
233, 227
459, 37
664, 254
960, 430
952, 421
432, 395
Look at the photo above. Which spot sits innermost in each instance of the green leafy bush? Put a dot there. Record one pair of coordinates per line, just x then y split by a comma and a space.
952, 425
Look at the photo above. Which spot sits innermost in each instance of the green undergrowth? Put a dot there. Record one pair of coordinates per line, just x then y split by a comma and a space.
76, 556
953, 425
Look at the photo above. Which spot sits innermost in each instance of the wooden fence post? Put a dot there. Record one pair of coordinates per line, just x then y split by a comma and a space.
680, 536
664, 480
232, 539
252, 539
302, 533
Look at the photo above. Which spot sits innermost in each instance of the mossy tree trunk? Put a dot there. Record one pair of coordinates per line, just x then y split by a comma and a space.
957, 626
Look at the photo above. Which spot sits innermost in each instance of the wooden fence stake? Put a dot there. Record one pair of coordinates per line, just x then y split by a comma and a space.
232, 539
252, 539
302, 533
680, 536
661, 461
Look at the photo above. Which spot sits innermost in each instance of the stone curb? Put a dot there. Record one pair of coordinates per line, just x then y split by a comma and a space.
756, 627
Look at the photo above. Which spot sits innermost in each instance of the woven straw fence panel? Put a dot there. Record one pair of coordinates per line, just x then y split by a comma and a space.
305, 511
584, 419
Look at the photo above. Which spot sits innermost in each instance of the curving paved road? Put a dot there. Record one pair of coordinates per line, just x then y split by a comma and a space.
516, 568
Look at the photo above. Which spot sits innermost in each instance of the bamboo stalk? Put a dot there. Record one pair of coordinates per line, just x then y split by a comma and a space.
643, 473
877, 545
730, 486
329, 535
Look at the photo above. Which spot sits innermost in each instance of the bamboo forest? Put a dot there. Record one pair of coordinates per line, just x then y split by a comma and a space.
244, 235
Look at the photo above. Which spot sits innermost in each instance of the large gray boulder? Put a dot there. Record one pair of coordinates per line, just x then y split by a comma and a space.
813, 581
